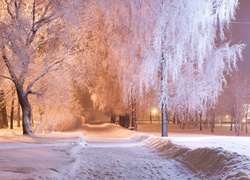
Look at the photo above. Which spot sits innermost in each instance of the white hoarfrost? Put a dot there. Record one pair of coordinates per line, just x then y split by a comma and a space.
132, 37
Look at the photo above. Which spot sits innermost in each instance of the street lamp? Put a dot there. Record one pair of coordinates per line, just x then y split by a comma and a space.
244, 120
153, 113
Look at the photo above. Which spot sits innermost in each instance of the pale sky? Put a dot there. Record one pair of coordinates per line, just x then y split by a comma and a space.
241, 32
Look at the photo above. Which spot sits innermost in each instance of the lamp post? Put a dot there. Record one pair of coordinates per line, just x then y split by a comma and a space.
247, 109
153, 113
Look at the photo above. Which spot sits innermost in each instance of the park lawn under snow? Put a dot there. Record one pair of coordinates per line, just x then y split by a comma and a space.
108, 151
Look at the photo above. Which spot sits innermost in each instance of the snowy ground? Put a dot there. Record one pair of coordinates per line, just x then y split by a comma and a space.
107, 151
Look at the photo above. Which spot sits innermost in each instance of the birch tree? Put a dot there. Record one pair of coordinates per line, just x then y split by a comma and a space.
184, 42
33, 44
183, 46
176, 49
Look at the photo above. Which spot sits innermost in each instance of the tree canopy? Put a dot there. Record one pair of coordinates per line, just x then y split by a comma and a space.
171, 53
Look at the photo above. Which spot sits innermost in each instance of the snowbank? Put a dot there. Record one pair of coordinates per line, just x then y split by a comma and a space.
106, 130
46, 156
206, 162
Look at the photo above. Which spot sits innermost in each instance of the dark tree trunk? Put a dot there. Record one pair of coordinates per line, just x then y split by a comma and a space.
174, 119
133, 104
232, 120
237, 127
134, 121
200, 121
12, 114
5, 117
212, 120
25, 105
206, 126
113, 118
127, 120
1, 123
18, 115
246, 123
3, 110
150, 118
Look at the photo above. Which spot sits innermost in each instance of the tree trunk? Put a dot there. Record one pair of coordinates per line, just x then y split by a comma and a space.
163, 72
246, 123
113, 118
127, 120
1, 120
3, 110
18, 115
200, 121
1, 123
4, 116
134, 122
25, 105
237, 127
150, 118
212, 120
133, 104
231, 124
174, 119
12, 114
206, 126
164, 117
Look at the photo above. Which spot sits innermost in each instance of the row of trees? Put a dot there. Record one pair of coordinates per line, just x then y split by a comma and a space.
173, 54
235, 100
232, 107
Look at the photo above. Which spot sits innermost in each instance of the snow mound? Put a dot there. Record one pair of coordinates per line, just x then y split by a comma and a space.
106, 130
208, 163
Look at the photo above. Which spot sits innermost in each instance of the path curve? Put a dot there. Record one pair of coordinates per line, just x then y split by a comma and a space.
123, 158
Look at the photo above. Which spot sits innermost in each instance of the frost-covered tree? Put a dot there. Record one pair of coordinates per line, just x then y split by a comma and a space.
176, 49
185, 53
103, 55
35, 40
5, 96
234, 97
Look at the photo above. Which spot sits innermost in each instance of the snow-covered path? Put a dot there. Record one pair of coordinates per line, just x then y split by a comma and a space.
111, 153
113, 158
108, 151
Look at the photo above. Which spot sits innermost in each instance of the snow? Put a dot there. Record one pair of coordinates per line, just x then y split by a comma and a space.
108, 151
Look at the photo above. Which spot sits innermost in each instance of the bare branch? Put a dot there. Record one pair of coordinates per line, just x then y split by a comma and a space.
17, 8
6, 77
9, 11
8, 65
34, 13
51, 68
39, 23
46, 40
46, 71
